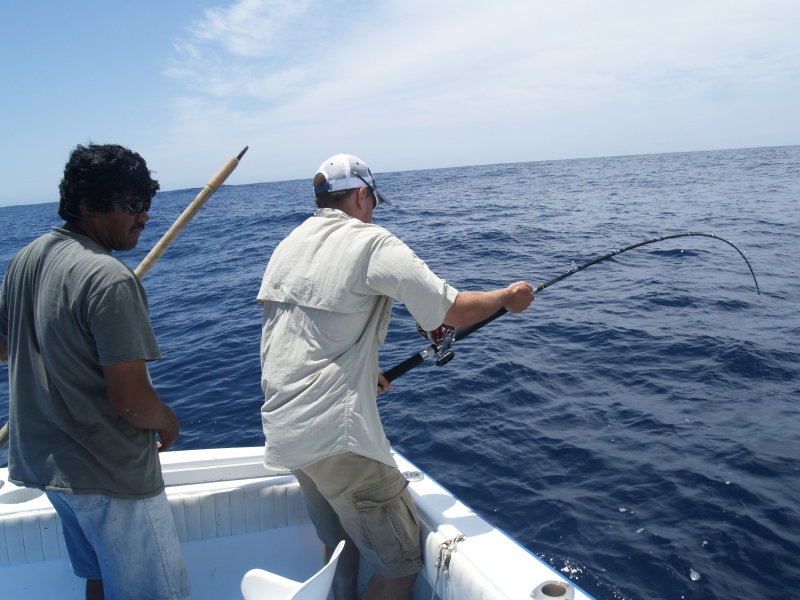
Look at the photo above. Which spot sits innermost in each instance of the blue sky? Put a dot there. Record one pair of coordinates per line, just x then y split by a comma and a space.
404, 84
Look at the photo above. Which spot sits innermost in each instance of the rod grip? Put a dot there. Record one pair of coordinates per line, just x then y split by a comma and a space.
463, 332
404, 367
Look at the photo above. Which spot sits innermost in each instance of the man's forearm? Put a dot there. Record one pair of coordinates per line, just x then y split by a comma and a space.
150, 413
472, 307
134, 398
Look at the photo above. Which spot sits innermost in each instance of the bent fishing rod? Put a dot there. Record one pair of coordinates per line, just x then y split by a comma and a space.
442, 338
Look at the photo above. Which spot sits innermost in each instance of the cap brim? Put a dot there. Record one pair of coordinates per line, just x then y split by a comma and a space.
382, 197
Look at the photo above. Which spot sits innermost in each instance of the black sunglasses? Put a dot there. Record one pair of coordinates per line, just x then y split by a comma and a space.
375, 200
133, 207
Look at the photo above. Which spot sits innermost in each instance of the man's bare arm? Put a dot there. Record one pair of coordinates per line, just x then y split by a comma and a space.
134, 398
473, 307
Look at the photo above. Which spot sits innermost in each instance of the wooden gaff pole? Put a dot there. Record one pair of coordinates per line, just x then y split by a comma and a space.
212, 186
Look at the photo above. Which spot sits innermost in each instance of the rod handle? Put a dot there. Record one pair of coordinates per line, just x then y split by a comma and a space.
463, 332
404, 367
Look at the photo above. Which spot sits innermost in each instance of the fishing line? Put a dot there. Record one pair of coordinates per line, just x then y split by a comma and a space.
445, 335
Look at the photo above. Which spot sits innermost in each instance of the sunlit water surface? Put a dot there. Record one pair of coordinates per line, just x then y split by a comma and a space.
638, 428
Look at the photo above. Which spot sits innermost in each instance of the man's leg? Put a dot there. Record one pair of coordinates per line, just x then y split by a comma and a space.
138, 549
134, 543
330, 532
94, 589
375, 508
345, 579
81, 553
389, 588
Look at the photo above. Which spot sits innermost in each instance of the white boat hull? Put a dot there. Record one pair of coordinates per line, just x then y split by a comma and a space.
232, 515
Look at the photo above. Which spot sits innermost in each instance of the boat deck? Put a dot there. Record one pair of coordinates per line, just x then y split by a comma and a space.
232, 515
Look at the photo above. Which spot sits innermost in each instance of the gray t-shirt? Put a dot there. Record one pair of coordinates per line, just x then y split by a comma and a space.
68, 307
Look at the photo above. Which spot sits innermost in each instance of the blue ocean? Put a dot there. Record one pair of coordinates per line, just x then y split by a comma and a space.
638, 428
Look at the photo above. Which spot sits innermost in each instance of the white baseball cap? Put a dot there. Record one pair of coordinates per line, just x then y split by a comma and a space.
346, 172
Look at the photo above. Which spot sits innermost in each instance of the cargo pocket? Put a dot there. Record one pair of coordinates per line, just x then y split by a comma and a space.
391, 522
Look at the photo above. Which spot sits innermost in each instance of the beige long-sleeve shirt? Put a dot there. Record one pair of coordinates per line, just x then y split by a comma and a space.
327, 295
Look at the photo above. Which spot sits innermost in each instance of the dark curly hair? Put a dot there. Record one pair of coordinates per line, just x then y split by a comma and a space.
99, 173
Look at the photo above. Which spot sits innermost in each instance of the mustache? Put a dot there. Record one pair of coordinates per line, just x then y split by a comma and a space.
137, 227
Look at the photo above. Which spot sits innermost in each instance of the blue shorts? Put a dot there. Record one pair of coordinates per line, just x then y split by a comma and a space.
131, 545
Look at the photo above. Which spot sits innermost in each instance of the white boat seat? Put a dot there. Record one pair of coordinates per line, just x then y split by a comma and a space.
258, 584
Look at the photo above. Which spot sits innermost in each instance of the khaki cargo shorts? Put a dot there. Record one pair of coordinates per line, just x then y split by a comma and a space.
367, 500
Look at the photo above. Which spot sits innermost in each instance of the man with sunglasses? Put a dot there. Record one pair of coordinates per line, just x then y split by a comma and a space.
84, 419
327, 294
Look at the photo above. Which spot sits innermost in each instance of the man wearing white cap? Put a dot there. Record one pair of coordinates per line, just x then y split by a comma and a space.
327, 295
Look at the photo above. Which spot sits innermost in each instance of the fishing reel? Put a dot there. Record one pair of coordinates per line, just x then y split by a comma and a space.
441, 339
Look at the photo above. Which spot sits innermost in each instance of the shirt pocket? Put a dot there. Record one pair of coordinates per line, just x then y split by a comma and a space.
385, 317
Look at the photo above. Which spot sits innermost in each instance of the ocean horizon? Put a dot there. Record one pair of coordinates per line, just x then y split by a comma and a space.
638, 428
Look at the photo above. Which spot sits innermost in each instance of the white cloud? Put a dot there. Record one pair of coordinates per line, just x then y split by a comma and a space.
420, 72
406, 83
271, 49
249, 28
